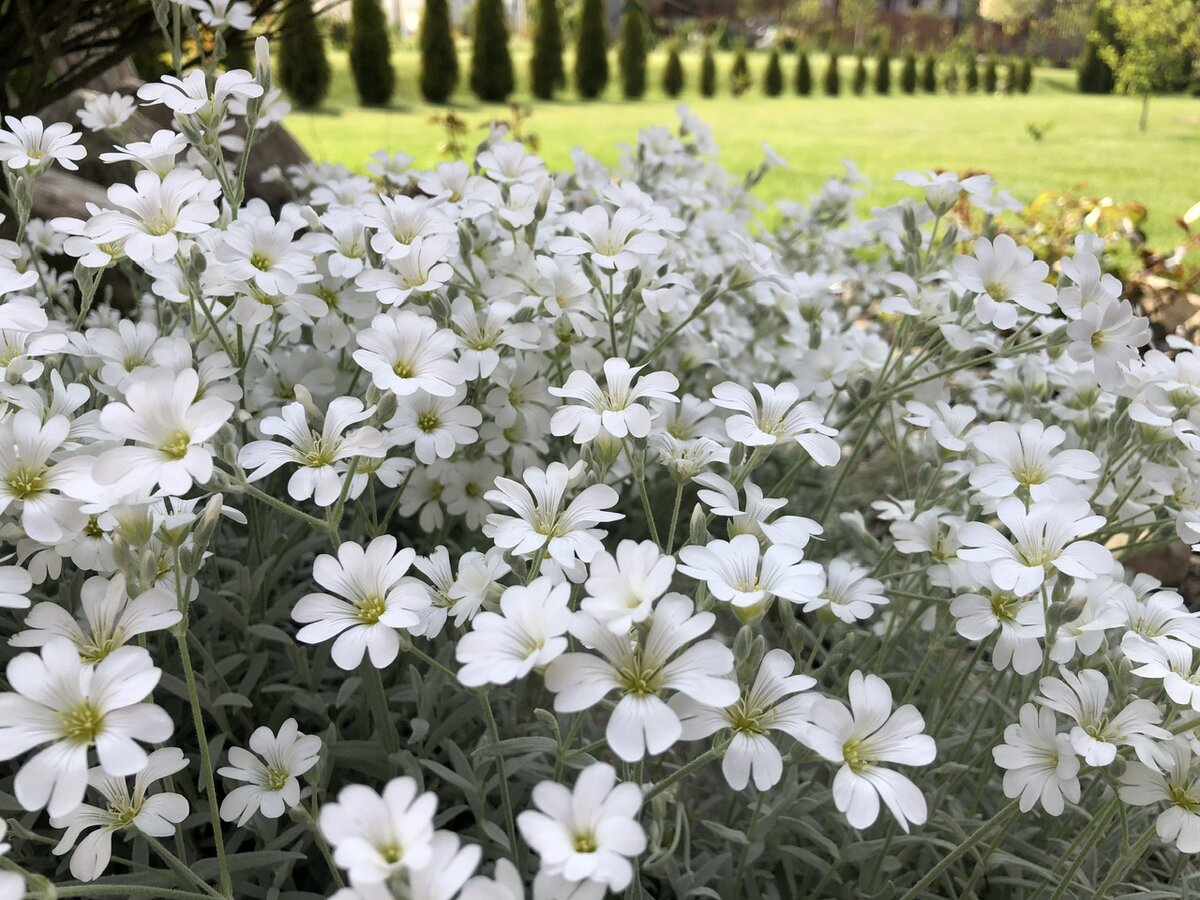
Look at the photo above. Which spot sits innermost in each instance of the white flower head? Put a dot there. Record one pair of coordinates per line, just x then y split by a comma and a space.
376, 836
617, 409
779, 417
528, 633
270, 770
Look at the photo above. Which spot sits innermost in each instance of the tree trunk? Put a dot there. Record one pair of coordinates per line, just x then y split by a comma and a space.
1145, 112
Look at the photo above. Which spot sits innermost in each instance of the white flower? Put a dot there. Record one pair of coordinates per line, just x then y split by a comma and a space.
155, 814
156, 155
34, 146
615, 245
1097, 733
111, 618
435, 425
1168, 661
171, 429
1179, 788
234, 14
406, 352
848, 593
642, 670
1019, 619
528, 633
374, 837
451, 863
271, 768
1041, 763
621, 590
738, 572
106, 111
615, 409
1000, 274
948, 425
1108, 335
541, 521
1024, 458
779, 418
379, 599
15, 583
72, 705
191, 95
30, 482
771, 703
861, 737
1043, 538
155, 212
589, 833
320, 455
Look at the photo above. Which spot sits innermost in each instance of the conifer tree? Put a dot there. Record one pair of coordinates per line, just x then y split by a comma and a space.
303, 68
739, 75
908, 74
929, 74
439, 59
833, 80
803, 75
591, 51
883, 73
371, 53
972, 77
773, 77
859, 85
1095, 74
546, 73
673, 78
491, 64
708, 73
991, 76
631, 56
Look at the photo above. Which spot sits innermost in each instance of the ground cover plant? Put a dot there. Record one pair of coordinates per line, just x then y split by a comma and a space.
491, 530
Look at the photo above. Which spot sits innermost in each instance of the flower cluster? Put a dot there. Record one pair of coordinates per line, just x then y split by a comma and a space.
473, 516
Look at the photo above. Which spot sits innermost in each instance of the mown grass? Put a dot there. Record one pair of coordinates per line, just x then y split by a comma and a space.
1089, 141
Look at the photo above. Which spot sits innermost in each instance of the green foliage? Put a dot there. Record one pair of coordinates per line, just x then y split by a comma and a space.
1010, 77
546, 73
1157, 45
439, 61
803, 75
370, 53
908, 74
303, 67
1025, 75
773, 77
739, 75
631, 56
859, 85
591, 51
929, 74
883, 73
491, 64
972, 76
991, 76
708, 73
1095, 74
832, 83
672, 76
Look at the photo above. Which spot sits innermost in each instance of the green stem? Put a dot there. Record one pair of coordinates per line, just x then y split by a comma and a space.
958, 852
377, 699
1128, 859
502, 776
177, 865
310, 822
669, 548
185, 660
714, 752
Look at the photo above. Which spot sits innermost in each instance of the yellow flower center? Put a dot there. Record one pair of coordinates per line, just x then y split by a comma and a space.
82, 724
177, 446
370, 610
26, 482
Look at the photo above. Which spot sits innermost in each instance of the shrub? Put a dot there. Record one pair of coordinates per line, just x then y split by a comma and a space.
1095, 74
773, 77
491, 64
591, 51
971, 78
859, 84
832, 82
546, 73
303, 67
908, 74
708, 73
803, 82
929, 81
439, 59
991, 76
673, 77
1010, 77
371, 53
883, 73
739, 74
631, 55
1025, 75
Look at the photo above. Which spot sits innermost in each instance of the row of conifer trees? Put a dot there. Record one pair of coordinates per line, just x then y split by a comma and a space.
305, 73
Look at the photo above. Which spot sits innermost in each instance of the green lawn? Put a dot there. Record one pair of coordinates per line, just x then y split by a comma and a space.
1092, 141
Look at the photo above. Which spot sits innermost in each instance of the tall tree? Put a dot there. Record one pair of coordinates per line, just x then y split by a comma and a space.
857, 15
739, 75
1160, 44
591, 51
371, 53
773, 77
491, 64
832, 84
673, 79
883, 73
439, 59
859, 85
929, 74
631, 56
708, 72
803, 75
991, 76
303, 67
546, 73
908, 74
1095, 74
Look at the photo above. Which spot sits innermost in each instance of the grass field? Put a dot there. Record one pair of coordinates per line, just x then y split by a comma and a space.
1093, 141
